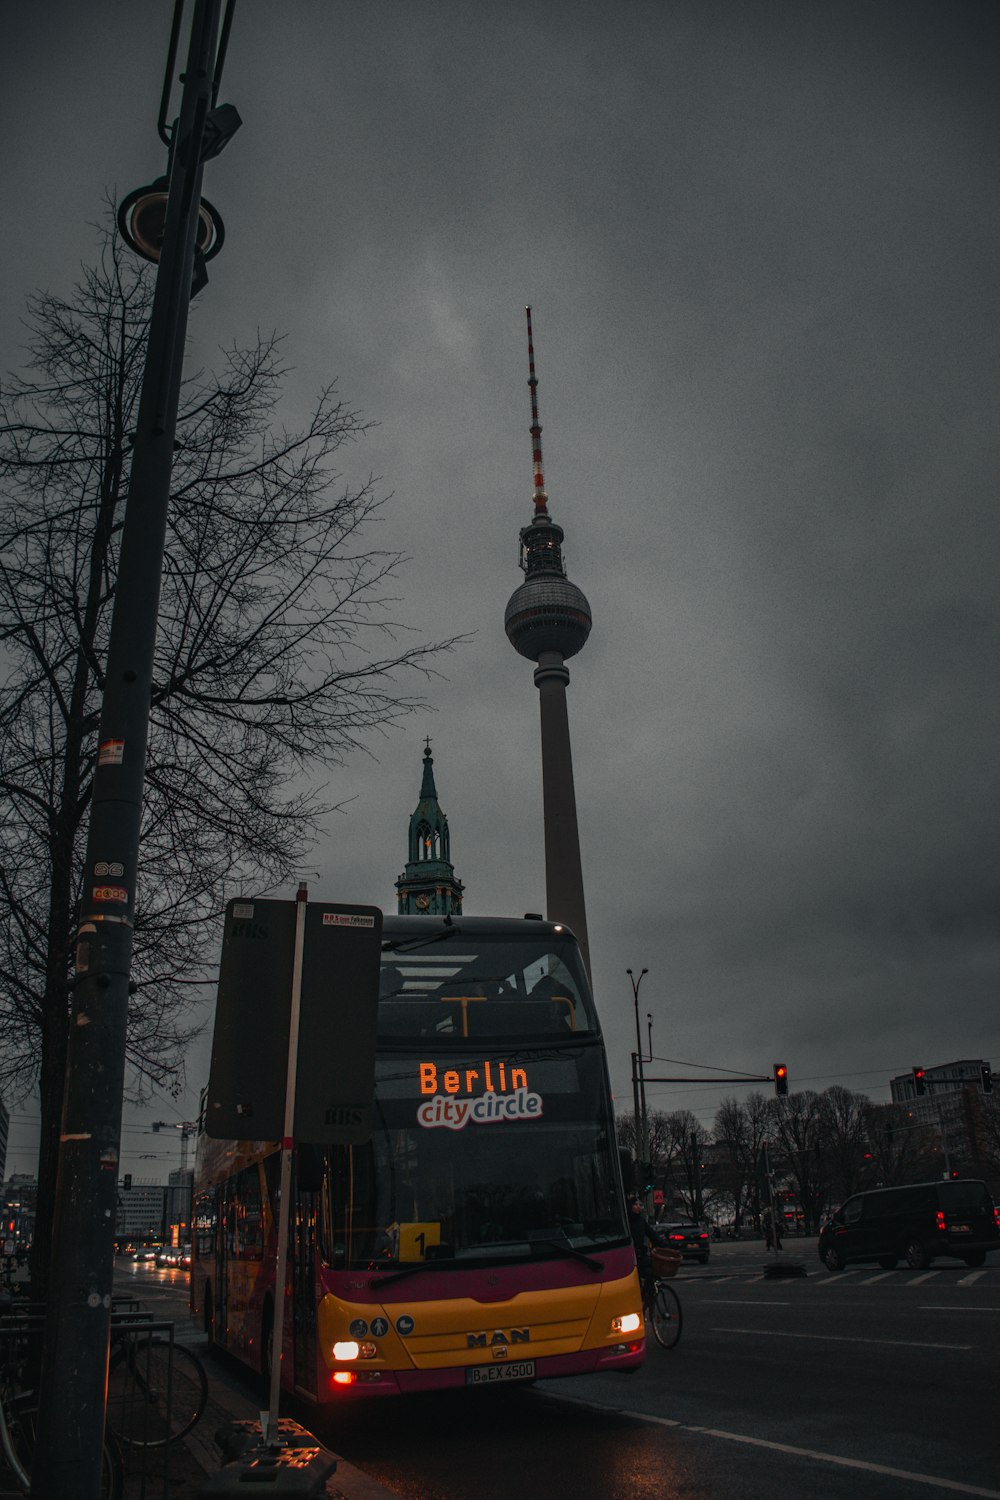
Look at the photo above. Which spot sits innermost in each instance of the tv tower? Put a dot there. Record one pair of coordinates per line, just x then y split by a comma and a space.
548, 620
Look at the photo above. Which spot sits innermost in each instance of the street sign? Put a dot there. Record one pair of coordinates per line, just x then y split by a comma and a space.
339, 1000
336, 1072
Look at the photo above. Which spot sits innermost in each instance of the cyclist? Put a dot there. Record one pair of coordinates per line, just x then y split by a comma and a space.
642, 1237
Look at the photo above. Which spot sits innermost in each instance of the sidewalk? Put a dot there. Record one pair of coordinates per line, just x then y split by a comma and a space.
197, 1455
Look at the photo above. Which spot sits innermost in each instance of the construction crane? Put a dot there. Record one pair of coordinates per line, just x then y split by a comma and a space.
187, 1129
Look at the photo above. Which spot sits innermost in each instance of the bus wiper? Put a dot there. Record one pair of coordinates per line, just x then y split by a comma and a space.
563, 1245
421, 1265
410, 945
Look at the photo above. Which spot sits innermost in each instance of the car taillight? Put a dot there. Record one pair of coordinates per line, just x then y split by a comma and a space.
703, 1235
678, 1237
996, 1216
940, 1221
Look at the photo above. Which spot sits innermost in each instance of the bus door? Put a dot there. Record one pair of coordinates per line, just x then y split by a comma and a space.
220, 1310
303, 1258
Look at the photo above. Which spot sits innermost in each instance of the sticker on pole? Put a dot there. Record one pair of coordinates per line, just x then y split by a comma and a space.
346, 919
111, 753
109, 893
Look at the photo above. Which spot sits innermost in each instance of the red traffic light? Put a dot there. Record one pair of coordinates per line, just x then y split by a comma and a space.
780, 1079
919, 1084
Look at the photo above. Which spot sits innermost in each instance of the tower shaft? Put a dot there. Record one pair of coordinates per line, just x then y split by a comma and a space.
564, 897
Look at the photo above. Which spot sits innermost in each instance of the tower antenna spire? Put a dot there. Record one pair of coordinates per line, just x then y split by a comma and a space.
540, 497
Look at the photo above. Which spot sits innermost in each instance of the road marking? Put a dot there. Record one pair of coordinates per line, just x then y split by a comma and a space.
840, 1338
955, 1485
745, 1302
971, 1279
954, 1307
828, 1458
925, 1277
869, 1280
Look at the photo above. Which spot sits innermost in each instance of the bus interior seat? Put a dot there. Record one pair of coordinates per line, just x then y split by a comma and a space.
417, 1016
519, 1017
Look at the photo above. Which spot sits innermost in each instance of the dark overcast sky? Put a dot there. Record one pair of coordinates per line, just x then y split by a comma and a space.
761, 246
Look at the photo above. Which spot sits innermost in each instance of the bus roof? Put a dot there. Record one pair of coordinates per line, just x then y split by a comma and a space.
508, 927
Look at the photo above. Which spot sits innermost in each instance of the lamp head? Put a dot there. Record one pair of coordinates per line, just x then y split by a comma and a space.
142, 217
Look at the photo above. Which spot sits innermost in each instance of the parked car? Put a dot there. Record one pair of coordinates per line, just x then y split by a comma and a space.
681, 1234
914, 1224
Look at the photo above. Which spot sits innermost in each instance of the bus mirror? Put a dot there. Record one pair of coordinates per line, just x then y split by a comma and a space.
628, 1169
310, 1169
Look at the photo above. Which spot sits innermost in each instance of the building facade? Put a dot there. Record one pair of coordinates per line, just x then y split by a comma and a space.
950, 1106
140, 1214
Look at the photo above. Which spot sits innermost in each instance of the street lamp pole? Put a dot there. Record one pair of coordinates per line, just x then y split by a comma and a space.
642, 1127
73, 1393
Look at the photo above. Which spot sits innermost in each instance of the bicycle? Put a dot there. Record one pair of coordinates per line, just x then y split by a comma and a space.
157, 1389
661, 1309
661, 1305
19, 1420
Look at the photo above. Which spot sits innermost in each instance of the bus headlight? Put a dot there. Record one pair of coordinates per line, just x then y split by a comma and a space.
346, 1349
627, 1323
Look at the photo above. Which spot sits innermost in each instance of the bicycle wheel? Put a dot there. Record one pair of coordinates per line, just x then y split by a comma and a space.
666, 1315
18, 1433
157, 1391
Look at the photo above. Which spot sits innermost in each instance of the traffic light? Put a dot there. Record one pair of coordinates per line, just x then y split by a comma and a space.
127, 1182
919, 1082
986, 1078
780, 1080
644, 1172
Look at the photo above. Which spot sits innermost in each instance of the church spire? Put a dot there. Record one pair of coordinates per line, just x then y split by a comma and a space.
428, 887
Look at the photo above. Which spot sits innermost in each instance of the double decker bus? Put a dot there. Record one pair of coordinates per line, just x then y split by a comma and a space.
480, 1236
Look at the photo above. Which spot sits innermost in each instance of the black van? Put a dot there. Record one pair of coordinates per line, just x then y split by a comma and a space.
913, 1223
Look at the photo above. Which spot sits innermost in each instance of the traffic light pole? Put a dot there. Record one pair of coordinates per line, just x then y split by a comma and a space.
68, 1450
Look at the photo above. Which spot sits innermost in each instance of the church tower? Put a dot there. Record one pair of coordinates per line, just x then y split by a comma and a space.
428, 887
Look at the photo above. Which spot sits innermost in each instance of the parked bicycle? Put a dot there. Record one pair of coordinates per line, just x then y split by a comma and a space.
19, 1415
157, 1389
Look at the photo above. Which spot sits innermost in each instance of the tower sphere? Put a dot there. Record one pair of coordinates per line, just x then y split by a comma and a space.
547, 613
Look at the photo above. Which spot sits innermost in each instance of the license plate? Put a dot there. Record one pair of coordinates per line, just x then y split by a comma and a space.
958, 1228
521, 1369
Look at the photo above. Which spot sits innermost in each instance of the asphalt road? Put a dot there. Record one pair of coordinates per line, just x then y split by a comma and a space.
872, 1384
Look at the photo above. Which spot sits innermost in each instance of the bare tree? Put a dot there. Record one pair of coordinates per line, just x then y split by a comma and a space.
849, 1157
740, 1132
686, 1141
801, 1133
276, 657
902, 1151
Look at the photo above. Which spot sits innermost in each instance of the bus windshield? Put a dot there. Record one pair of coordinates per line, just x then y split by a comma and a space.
506, 1157
450, 985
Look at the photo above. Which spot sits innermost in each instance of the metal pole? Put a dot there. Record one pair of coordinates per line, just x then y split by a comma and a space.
270, 1417
642, 1124
73, 1394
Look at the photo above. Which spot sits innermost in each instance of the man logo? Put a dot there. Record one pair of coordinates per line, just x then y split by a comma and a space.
515, 1336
